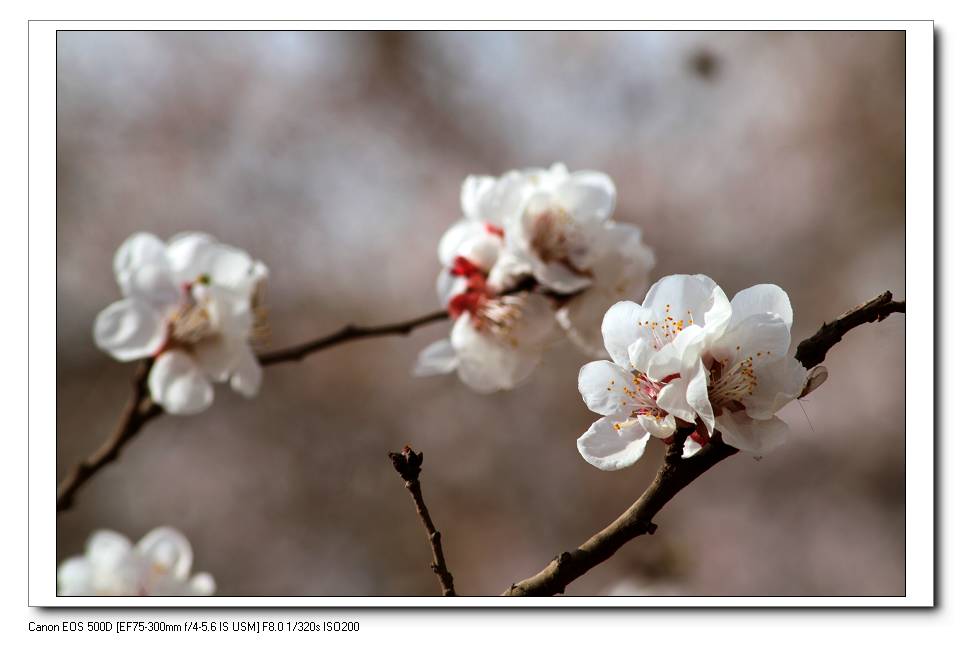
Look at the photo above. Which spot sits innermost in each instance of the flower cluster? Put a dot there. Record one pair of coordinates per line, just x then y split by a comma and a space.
536, 249
158, 565
193, 305
689, 356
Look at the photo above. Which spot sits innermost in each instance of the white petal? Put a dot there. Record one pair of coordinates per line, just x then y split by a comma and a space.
455, 235
561, 279
660, 427
673, 398
682, 355
178, 384
231, 268
229, 310
106, 549
169, 550
152, 283
621, 326
189, 255
138, 250
762, 299
497, 202
779, 383
129, 329
473, 189
763, 337
202, 584
689, 297
247, 374
217, 356
488, 363
697, 396
690, 448
602, 385
75, 577
610, 449
757, 437
587, 195
448, 285
507, 272
816, 378
436, 359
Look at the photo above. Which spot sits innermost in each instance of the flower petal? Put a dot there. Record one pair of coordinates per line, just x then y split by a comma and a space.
189, 255
690, 448
106, 549
436, 359
560, 278
75, 577
778, 384
673, 398
231, 268
757, 437
202, 584
659, 427
152, 283
138, 250
217, 356
608, 448
247, 373
603, 385
691, 299
762, 299
178, 384
621, 326
763, 337
587, 195
169, 550
697, 396
129, 329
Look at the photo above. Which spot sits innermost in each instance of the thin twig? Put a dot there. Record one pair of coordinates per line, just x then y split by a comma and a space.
813, 350
676, 474
408, 466
139, 410
347, 333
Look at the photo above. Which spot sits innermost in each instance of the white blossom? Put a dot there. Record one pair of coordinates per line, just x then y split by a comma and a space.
552, 230
687, 355
193, 305
159, 564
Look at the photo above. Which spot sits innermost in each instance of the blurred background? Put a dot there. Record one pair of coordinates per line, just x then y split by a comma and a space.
337, 159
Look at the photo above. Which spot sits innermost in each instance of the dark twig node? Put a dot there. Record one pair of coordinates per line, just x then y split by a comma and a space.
407, 463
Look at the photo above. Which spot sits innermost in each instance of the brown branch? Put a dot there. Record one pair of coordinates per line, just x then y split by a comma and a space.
349, 332
139, 410
408, 466
813, 350
677, 473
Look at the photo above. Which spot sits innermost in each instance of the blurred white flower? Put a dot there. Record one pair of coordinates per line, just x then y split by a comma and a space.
159, 564
550, 228
688, 354
193, 305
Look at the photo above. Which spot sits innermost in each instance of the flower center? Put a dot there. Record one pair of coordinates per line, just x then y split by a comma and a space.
663, 331
556, 238
642, 396
728, 385
500, 316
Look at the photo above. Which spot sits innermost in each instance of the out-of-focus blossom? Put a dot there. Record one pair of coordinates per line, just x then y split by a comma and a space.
159, 564
531, 243
192, 304
688, 355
